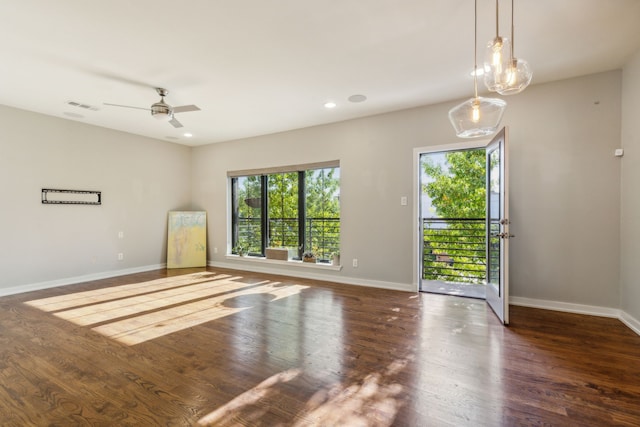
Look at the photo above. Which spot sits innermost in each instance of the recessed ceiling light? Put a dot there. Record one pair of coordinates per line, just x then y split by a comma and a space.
357, 98
330, 104
188, 135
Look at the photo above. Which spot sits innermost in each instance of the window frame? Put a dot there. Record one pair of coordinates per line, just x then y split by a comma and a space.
264, 208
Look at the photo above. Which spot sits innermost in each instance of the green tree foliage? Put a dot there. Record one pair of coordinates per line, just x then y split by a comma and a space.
322, 192
458, 191
455, 251
283, 210
322, 228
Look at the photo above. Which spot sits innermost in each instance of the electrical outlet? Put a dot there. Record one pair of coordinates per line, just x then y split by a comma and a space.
120, 256
120, 234
215, 250
355, 263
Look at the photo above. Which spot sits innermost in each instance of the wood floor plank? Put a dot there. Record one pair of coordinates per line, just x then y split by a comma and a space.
226, 348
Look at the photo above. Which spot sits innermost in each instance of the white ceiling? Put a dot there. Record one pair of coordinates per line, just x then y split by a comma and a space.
262, 66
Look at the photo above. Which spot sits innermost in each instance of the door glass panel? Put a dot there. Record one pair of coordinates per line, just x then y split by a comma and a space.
493, 208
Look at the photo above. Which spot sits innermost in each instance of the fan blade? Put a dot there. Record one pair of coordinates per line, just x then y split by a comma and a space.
126, 106
185, 109
175, 123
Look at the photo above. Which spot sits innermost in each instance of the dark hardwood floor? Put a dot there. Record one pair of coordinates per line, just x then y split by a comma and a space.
223, 347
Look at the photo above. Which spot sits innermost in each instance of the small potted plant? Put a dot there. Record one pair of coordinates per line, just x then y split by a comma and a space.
308, 257
239, 250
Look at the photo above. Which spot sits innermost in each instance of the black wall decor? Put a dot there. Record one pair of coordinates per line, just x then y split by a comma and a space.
71, 197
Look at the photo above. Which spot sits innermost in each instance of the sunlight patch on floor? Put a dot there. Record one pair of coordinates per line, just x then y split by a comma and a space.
138, 312
248, 398
98, 313
138, 329
76, 299
372, 402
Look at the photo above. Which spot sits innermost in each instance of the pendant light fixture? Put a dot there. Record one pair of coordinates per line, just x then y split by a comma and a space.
477, 116
496, 59
518, 74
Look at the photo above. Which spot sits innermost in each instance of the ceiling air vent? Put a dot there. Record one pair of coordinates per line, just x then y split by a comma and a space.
81, 105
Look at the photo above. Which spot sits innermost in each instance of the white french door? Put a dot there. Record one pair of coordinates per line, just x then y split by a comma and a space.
497, 292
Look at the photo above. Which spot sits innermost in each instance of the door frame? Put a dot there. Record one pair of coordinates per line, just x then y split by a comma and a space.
417, 152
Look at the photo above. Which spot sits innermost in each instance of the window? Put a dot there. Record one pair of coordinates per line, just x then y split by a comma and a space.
296, 209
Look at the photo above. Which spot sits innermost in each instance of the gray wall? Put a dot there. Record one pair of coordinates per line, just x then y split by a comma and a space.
630, 214
140, 179
565, 199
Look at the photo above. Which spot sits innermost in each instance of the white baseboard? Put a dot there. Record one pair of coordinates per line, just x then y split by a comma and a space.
631, 322
313, 275
591, 310
78, 279
567, 307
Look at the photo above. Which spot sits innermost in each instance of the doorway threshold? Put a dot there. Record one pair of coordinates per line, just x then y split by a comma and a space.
470, 290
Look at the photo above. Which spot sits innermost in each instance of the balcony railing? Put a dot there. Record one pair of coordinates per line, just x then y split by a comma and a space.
454, 250
322, 235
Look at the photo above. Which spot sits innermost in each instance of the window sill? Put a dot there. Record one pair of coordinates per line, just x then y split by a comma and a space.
290, 263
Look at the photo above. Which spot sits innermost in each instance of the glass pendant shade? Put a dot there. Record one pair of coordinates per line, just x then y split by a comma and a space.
496, 62
477, 117
480, 116
516, 78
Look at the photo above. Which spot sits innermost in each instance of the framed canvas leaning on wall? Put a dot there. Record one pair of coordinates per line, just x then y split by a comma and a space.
187, 239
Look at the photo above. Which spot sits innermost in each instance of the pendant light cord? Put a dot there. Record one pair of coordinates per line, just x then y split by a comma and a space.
512, 31
475, 49
497, 21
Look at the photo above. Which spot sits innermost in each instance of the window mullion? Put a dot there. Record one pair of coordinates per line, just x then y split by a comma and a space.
235, 212
302, 213
264, 189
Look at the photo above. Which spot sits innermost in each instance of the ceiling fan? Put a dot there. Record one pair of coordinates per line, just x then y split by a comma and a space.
163, 111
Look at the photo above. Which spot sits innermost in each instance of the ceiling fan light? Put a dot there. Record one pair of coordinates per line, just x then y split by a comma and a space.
517, 77
161, 111
477, 117
164, 117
